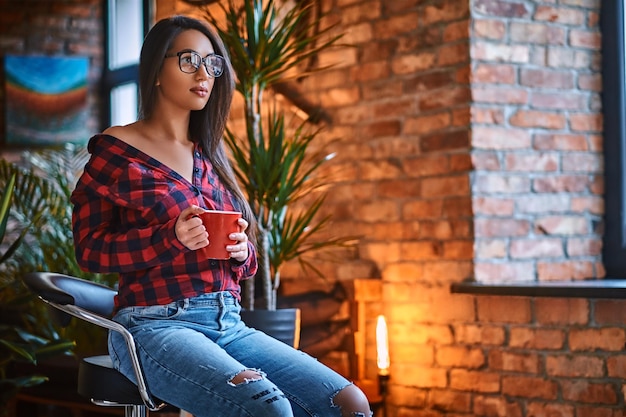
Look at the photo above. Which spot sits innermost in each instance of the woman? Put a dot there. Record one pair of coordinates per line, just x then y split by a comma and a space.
136, 213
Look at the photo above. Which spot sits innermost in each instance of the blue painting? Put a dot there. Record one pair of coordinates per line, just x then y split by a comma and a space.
46, 100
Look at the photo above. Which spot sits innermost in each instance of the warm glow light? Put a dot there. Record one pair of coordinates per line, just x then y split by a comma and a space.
382, 346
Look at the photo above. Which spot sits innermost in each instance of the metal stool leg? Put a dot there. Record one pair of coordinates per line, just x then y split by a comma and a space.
135, 411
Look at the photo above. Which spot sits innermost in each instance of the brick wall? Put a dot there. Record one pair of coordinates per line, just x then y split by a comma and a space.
516, 356
477, 133
537, 140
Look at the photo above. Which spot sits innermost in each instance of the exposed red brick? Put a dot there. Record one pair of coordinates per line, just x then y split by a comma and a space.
437, 13
565, 270
577, 366
496, 405
545, 78
583, 391
537, 339
428, 123
529, 387
460, 357
542, 409
536, 248
455, 207
429, 81
562, 311
485, 161
450, 401
503, 309
488, 116
559, 15
609, 339
490, 272
585, 247
440, 187
474, 381
535, 162
499, 95
455, 31
383, 128
514, 362
445, 98
501, 9
611, 312
479, 334
489, 28
371, 71
500, 138
598, 411
537, 33
616, 366
561, 102
586, 122
494, 74
562, 184
501, 228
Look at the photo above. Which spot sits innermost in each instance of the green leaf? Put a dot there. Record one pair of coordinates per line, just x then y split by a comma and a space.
19, 350
273, 162
27, 381
5, 206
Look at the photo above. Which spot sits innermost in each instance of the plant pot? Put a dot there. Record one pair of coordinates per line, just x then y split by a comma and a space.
282, 324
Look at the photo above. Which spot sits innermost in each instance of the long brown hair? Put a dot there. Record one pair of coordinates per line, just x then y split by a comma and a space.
206, 126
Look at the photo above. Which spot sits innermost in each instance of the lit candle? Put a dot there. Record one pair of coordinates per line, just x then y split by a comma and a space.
382, 346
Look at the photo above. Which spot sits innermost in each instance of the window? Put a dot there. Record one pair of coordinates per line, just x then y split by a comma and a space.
613, 103
127, 22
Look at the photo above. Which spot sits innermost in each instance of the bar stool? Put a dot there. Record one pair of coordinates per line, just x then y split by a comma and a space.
97, 379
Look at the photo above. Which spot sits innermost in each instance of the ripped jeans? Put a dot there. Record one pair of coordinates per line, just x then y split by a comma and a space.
191, 351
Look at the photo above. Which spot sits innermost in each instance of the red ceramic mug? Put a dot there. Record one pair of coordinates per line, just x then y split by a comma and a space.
219, 224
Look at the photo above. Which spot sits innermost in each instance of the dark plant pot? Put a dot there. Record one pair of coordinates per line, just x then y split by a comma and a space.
282, 324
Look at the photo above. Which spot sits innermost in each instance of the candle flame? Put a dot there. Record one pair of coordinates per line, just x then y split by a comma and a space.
382, 346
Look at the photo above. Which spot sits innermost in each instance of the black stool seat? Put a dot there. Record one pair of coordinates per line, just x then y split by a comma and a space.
99, 381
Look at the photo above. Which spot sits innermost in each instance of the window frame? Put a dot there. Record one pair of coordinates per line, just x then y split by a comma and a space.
613, 104
123, 75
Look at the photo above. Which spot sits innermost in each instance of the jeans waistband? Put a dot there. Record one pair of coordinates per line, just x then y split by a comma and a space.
213, 299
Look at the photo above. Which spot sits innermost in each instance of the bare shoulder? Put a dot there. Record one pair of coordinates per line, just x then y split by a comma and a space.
128, 133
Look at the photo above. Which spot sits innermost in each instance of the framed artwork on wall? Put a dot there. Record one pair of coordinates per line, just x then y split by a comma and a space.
46, 100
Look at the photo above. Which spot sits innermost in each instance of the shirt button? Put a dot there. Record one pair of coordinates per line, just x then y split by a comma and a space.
197, 154
213, 263
196, 170
195, 190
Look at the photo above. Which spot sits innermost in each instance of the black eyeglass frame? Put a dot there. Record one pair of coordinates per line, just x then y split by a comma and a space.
203, 61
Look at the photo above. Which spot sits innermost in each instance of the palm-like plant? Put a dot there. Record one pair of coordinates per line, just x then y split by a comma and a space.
267, 47
26, 338
36, 215
49, 176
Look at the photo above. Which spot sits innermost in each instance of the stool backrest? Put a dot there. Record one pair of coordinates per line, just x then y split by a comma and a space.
72, 296
68, 290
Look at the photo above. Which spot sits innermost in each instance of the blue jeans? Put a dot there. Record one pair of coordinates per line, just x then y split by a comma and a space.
190, 350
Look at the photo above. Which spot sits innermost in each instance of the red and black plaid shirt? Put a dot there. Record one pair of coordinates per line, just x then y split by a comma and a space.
125, 208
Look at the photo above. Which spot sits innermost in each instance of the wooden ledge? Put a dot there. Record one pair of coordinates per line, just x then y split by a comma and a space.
601, 288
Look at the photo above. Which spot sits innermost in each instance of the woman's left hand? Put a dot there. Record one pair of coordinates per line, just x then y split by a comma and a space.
239, 251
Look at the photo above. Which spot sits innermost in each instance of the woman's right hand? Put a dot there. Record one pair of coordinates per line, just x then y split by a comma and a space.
189, 228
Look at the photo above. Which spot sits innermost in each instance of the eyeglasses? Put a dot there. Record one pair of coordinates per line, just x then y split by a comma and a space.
190, 61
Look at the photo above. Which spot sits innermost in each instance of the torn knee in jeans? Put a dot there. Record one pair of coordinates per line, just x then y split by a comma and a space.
352, 402
269, 395
246, 376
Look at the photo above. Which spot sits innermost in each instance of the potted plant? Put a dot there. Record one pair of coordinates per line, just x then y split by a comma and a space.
36, 217
274, 162
24, 336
